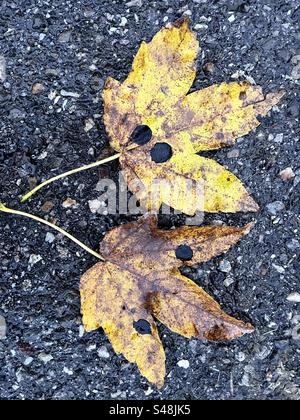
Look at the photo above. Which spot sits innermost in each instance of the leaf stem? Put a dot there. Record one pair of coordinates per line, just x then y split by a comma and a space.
73, 171
5, 209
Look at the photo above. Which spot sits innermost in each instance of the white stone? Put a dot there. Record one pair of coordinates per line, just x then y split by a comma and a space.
2, 69
102, 352
275, 207
45, 358
148, 391
2, 328
34, 259
185, 364
123, 21
68, 371
240, 356
278, 268
89, 125
28, 361
69, 203
69, 94
200, 26
293, 244
50, 238
228, 281
287, 174
134, 3
225, 266
92, 347
278, 138
81, 331
95, 205
294, 297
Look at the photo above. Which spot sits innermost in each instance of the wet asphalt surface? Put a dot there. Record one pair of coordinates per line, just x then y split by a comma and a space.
54, 59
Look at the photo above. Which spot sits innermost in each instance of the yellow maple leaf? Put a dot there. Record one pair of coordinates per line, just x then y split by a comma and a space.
140, 281
153, 107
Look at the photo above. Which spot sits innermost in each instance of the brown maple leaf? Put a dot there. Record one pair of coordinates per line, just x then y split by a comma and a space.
140, 281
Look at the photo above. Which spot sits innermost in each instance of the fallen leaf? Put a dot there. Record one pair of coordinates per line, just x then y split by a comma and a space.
140, 281
153, 108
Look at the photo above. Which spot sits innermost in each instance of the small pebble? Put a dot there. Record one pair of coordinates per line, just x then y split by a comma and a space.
228, 281
294, 297
102, 352
3, 328
264, 353
89, 125
240, 356
293, 244
69, 94
185, 364
200, 26
64, 37
287, 174
2, 69
37, 88
47, 206
28, 361
34, 259
50, 238
123, 22
81, 331
45, 358
52, 72
225, 266
275, 207
68, 371
94, 205
148, 391
278, 138
234, 153
69, 203
92, 347
296, 70
133, 3
208, 67
278, 268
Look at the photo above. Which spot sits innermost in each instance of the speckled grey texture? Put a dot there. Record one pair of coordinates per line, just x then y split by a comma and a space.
70, 47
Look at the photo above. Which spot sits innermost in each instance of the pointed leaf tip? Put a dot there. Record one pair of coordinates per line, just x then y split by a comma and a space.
248, 204
140, 281
183, 21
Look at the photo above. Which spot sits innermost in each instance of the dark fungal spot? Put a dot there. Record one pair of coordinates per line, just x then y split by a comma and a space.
184, 253
161, 152
141, 135
220, 136
142, 326
242, 96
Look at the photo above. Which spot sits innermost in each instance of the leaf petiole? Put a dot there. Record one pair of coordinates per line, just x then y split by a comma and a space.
73, 171
5, 209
